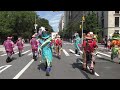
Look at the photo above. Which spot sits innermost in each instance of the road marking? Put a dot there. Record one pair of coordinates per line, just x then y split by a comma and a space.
110, 52
4, 67
13, 54
30, 54
16, 52
104, 54
3, 55
25, 51
98, 55
73, 52
65, 52
23, 70
89, 69
81, 52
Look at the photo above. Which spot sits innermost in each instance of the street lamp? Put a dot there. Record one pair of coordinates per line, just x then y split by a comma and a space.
83, 20
35, 24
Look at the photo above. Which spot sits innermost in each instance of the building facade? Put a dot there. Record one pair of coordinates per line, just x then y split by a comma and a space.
108, 20
61, 23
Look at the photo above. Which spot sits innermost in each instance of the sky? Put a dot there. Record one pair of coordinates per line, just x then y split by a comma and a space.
52, 17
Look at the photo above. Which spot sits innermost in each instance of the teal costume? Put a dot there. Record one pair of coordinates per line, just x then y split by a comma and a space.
77, 41
46, 51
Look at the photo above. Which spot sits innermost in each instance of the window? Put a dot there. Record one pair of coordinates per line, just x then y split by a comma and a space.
102, 23
116, 12
102, 13
116, 21
116, 32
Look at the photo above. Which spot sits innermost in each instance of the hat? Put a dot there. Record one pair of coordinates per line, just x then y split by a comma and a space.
42, 29
88, 36
9, 38
58, 36
33, 36
45, 35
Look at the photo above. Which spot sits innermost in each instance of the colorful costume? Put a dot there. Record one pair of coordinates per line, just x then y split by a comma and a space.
9, 45
20, 44
115, 44
34, 45
77, 43
46, 50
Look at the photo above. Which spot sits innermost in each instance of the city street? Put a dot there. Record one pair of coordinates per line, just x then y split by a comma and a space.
68, 67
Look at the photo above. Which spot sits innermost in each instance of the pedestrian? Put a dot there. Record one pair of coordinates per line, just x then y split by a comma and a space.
20, 45
105, 42
9, 45
108, 45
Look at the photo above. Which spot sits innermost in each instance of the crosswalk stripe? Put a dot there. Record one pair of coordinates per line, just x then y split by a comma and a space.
65, 52
89, 68
30, 54
98, 55
109, 52
25, 51
3, 55
73, 52
104, 54
14, 51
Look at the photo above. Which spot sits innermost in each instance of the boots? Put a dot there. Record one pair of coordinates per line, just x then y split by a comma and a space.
48, 71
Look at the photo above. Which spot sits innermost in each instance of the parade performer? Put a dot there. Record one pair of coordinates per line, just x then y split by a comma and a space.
9, 45
88, 51
20, 45
77, 43
115, 45
58, 44
46, 49
34, 45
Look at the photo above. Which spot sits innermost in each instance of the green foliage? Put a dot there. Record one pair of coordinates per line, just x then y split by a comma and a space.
91, 23
20, 23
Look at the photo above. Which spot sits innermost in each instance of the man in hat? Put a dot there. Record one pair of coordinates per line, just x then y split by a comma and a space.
9, 45
34, 45
46, 50
88, 51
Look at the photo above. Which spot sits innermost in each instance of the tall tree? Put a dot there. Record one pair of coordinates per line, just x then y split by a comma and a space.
91, 23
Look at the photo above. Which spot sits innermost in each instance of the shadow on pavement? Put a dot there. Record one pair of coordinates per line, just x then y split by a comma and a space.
12, 59
79, 66
56, 56
41, 67
108, 60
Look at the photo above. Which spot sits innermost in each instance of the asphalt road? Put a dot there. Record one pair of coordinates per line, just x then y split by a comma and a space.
68, 67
